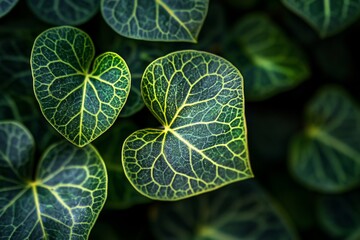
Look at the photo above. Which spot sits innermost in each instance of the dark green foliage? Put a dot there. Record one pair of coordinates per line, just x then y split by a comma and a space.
169, 107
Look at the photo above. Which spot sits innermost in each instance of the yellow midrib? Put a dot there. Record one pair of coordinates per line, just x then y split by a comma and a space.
37, 206
173, 15
82, 108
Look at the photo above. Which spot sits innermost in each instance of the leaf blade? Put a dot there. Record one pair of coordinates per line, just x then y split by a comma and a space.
80, 105
159, 20
198, 99
63, 201
328, 17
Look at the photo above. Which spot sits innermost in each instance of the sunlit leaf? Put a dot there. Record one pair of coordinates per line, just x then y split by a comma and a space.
328, 16
269, 61
64, 199
198, 99
80, 104
64, 12
120, 194
159, 20
6, 6
326, 156
340, 214
239, 211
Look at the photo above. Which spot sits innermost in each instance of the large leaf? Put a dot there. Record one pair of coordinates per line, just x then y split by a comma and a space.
64, 12
198, 98
269, 61
326, 156
14, 66
239, 211
328, 16
159, 20
340, 214
6, 6
64, 199
120, 194
81, 105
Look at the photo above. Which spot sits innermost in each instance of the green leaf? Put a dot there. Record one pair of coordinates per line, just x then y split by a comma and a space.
64, 200
328, 17
159, 20
81, 105
339, 215
64, 12
120, 194
14, 66
269, 61
239, 211
326, 156
6, 6
198, 99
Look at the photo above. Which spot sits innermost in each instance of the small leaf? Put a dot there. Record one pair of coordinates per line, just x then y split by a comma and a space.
328, 17
64, 12
64, 200
340, 214
326, 156
198, 98
120, 194
80, 105
6, 6
269, 61
159, 20
239, 211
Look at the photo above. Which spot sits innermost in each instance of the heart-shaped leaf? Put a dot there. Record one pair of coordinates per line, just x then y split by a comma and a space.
326, 156
64, 200
6, 6
62, 12
267, 58
198, 98
80, 105
239, 211
329, 16
159, 20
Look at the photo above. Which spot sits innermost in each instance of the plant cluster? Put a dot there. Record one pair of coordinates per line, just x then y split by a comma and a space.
119, 108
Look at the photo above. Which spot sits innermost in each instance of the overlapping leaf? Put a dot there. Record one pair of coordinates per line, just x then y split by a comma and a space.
326, 156
239, 211
6, 6
327, 17
64, 12
81, 105
159, 20
65, 198
198, 98
269, 61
